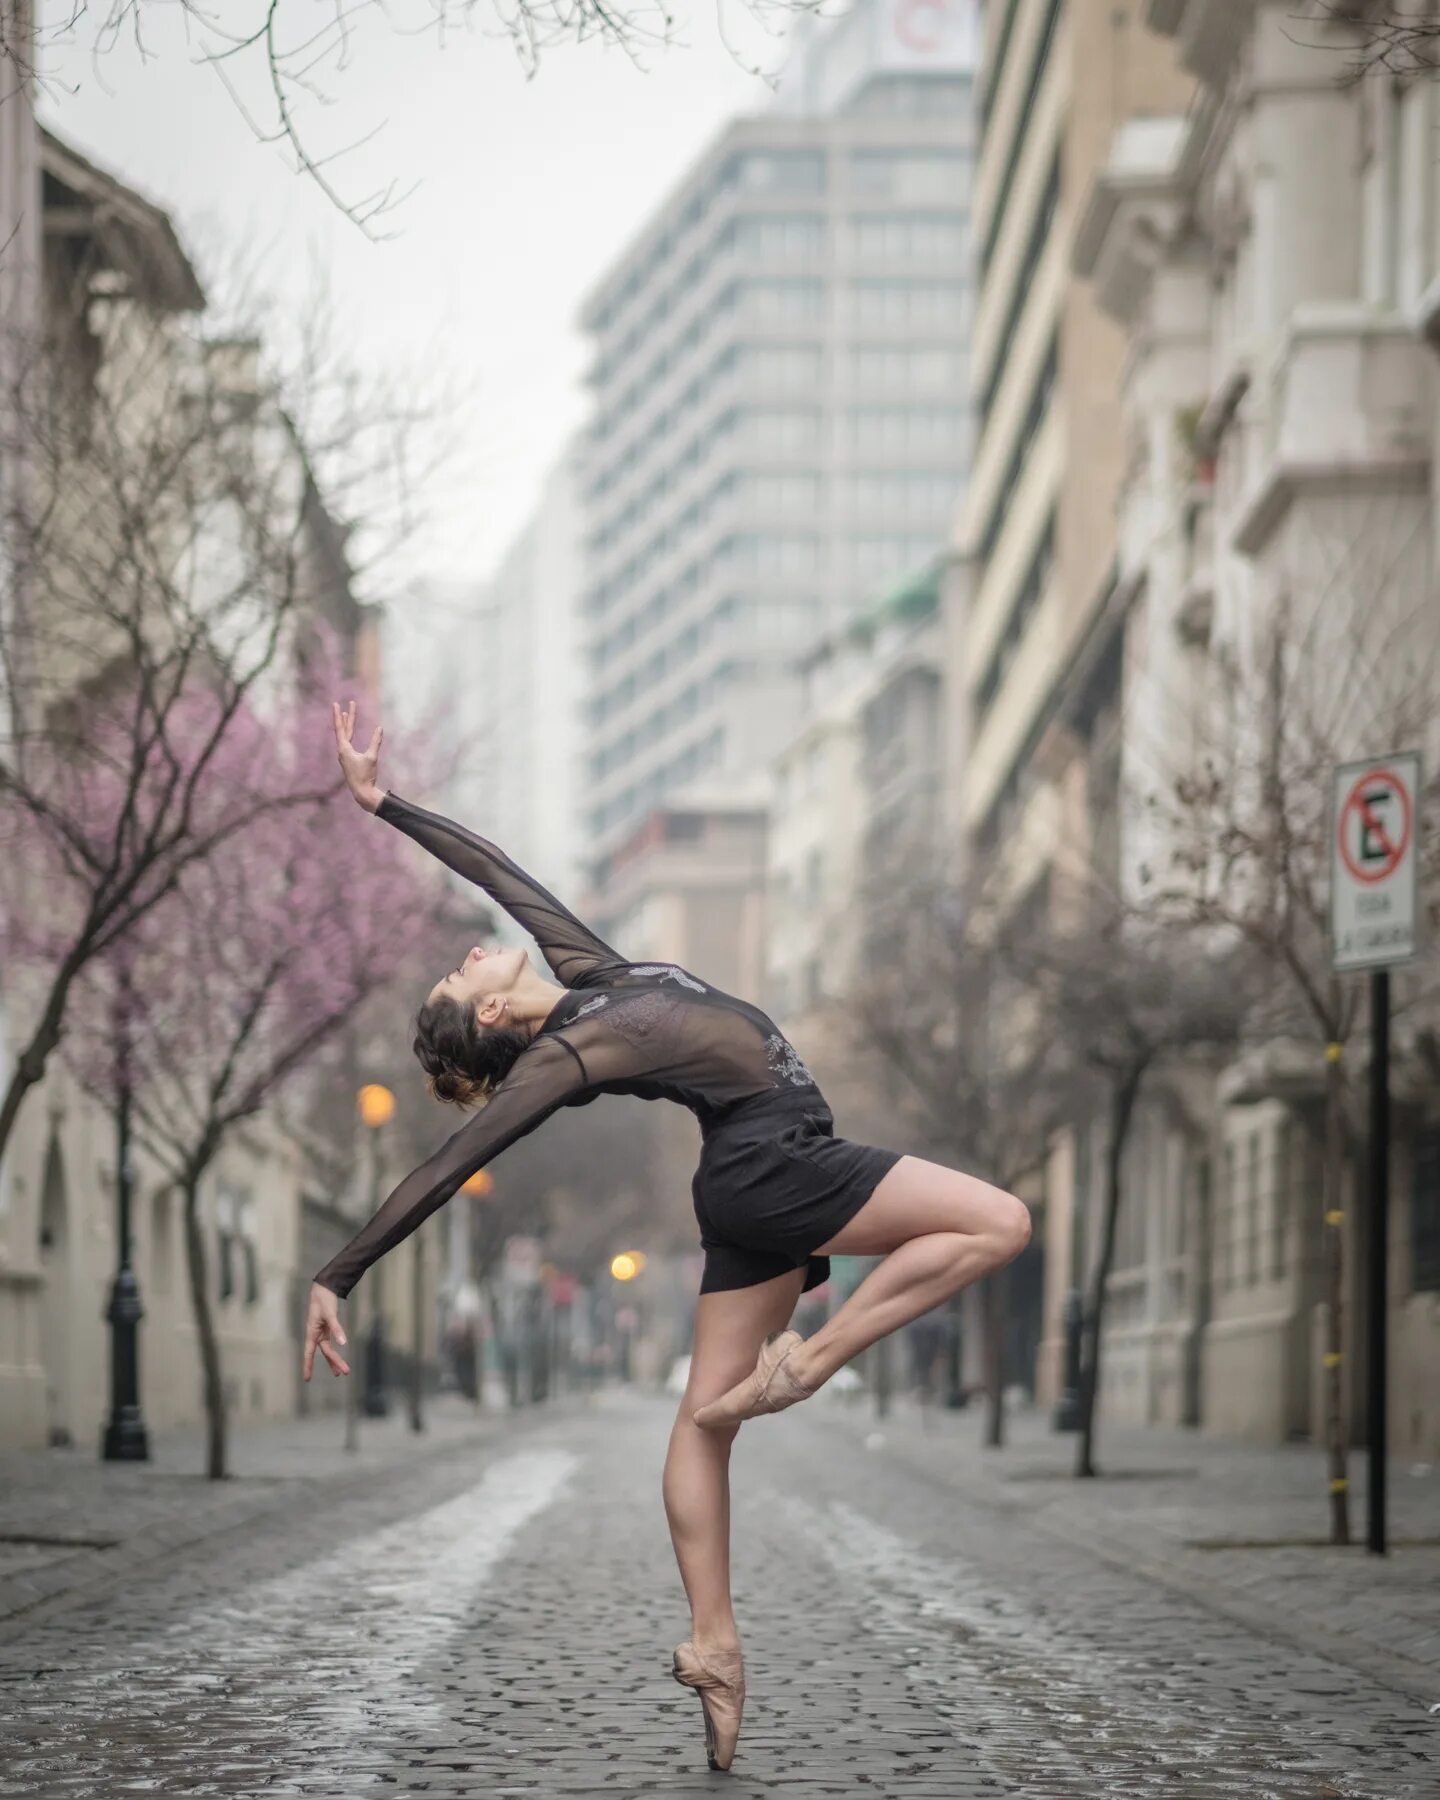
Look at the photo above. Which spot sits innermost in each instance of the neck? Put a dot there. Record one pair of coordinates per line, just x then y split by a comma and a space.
532, 1000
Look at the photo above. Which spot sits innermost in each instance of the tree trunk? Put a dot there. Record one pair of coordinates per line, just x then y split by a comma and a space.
205, 1326
44, 1040
993, 1297
1122, 1105
1333, 1185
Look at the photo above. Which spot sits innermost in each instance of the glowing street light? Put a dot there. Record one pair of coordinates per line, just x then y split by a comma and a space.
624, 1267
376, 1106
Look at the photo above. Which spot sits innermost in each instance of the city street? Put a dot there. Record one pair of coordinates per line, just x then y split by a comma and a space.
495, 1616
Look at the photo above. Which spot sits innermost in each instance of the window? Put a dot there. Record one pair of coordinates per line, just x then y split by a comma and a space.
912, 97
928, 494
1280, 1197
775, 553
1425, 1214
916, 368
1023, 607
909, 174
777, 237
162, 1244
801, 494
911, 303
780, 368
1252, 1212
1225, 1236
776, 172
249, 1239
916, 237
901, 429
785, 430
789, 301
225, 1238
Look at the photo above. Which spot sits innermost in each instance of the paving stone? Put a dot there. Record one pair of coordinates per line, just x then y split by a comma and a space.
497, 1619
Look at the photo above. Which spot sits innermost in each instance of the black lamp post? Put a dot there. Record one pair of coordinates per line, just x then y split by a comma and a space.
125, 1438
377, 1108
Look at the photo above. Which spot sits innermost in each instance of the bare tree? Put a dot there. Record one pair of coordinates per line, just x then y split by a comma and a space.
170, 561
1384, 39
947, 1034
281, 66
1124, 997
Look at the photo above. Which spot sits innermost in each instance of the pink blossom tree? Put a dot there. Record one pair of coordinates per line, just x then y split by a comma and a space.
231, 988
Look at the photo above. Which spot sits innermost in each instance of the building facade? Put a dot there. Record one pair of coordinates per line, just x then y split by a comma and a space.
780, 414
1270, 254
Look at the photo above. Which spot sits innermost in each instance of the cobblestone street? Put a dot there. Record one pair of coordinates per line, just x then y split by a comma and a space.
496, 1617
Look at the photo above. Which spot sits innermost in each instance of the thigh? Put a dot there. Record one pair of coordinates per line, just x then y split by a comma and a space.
917, 1197
730, 1327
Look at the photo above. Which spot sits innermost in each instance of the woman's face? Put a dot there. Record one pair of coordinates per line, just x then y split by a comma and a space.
484, 979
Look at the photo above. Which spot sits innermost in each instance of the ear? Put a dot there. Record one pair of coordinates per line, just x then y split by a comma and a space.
491, 1011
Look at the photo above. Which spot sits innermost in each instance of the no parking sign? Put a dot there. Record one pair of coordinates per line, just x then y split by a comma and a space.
1373, 861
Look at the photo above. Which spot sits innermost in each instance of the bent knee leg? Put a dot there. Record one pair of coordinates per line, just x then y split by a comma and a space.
918, 1198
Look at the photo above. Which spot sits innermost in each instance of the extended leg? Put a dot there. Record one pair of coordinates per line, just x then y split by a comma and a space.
729, 1330
938, 1230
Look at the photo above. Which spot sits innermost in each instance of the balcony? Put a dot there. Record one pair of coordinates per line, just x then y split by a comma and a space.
1345, 409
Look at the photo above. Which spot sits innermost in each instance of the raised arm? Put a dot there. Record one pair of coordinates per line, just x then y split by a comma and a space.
544, 1077
572, 950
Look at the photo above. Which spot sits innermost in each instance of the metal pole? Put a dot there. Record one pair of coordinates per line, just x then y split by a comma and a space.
125, 1438
417, 1415
1377, 1397
377, 1401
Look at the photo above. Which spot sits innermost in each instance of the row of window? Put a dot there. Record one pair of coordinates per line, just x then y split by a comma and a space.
1022, 609
921, 432
237, 1252
938, 238
1020, 291
704, 753
1040, 397
893, 308
903, 174
1020, 136
897, 174
662, 720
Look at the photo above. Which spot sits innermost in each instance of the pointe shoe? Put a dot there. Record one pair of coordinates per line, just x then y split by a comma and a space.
719, 1678
770, 1387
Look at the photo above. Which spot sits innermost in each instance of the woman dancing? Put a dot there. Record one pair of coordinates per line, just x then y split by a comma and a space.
775, 1192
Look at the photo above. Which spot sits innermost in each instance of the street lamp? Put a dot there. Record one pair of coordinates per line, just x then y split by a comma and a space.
125, 1438
376, 1106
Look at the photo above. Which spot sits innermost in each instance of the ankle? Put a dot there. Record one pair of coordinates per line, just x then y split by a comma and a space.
810, 1363
719, 1637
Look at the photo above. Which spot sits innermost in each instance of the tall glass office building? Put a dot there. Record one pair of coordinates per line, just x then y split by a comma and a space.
780, 426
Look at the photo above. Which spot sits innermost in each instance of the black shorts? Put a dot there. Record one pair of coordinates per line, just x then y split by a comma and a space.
773, 1182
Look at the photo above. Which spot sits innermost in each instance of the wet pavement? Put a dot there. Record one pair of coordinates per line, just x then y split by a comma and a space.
498, 1620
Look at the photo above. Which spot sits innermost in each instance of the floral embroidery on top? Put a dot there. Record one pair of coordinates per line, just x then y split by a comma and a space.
591, 1005
784, 1059
668, 972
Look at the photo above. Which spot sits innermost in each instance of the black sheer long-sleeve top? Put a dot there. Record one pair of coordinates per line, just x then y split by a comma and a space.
649, 1029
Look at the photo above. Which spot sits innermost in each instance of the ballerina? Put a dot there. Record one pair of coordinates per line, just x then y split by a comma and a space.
775, 1194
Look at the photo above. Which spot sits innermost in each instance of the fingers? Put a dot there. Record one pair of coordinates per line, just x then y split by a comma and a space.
335, 1360
373, 748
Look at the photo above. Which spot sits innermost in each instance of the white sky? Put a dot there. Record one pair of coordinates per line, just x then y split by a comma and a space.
527, 190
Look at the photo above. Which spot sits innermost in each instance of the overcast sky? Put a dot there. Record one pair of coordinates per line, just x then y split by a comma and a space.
526, 191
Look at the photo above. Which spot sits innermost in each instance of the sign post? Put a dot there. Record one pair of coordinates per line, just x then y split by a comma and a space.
1372, 926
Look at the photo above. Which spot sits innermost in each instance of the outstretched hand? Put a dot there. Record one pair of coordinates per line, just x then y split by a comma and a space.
359, 767
323, 1331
